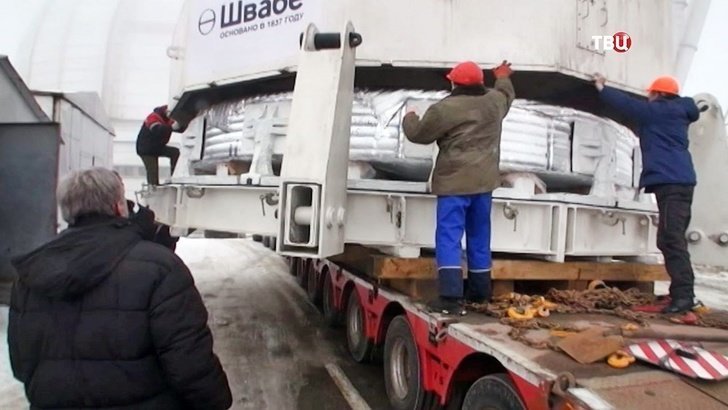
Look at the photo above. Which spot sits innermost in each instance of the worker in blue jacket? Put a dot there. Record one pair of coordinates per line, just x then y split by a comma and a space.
667, 171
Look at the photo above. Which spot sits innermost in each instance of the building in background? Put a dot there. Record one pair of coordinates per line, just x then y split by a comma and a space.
44, 136
116, 48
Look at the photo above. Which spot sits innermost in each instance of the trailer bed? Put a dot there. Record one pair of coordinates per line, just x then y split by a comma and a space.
640, 386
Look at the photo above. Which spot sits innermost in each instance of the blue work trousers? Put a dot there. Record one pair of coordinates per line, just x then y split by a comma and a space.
458, 214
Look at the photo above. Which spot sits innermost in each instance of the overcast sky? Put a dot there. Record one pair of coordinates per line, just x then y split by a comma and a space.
708, 73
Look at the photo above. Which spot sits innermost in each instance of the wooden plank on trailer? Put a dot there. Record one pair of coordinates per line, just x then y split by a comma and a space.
618, 271
533, 270
380, 266
419, 290
356, 258
502, 287
386, 267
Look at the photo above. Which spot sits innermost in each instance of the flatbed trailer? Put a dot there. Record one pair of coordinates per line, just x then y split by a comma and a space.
435, 361
312, 211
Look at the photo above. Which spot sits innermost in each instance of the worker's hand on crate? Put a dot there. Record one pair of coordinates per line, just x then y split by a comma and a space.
503, 70
599, 81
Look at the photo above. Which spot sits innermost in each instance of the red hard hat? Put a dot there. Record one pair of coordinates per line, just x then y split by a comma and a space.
466, 73
665, 84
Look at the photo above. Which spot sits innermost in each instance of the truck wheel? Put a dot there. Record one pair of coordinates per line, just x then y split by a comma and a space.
301, 272
359, 346
293, 266
266, 242
402, 377
331, 314
492, 392
312, 286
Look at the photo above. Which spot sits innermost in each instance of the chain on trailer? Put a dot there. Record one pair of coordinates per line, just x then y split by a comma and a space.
521, 312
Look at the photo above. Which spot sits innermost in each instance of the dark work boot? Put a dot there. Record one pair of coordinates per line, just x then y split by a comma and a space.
680, 305
450, 289
479, 289
446, 306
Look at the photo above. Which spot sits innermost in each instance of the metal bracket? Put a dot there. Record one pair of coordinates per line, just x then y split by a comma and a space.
510, 212
195, 192
609, 218
564, 381
396, 207
373, 293
270, 199
437, 330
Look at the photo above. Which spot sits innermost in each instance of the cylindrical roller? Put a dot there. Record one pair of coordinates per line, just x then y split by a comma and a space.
328, 41
303, 215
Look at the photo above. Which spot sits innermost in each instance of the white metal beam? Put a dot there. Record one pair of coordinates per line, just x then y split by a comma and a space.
549, 226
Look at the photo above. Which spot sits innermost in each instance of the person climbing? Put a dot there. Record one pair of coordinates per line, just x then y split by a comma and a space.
152, 141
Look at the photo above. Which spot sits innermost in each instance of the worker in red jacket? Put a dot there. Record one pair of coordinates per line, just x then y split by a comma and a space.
152, 142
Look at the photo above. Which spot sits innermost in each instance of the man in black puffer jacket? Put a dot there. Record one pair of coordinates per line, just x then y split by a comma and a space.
101, 318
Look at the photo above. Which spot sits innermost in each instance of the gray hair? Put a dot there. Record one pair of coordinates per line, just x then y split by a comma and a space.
95, 190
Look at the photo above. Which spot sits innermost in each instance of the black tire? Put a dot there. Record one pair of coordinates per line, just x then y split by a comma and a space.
359, 346
293, 266
402, 377
302, 272
258, 238
273, 243
492, 392
312, 286
332, 316
266, 242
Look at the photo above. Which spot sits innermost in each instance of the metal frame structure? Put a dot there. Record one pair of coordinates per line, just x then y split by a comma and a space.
314, 209
399, 217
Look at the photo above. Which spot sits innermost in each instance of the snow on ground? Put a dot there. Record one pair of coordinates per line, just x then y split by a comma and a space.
711, 287
11, 390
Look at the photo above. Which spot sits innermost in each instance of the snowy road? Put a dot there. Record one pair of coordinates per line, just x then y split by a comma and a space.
271, 341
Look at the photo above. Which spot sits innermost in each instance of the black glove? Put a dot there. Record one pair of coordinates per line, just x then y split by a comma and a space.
163, 237
143, 219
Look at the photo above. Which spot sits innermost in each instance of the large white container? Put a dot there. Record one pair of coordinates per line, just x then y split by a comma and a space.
223, 42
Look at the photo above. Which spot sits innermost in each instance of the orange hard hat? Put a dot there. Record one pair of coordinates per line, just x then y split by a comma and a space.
466, 73
665, 84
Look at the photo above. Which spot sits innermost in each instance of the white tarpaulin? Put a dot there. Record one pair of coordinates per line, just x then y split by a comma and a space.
536, 137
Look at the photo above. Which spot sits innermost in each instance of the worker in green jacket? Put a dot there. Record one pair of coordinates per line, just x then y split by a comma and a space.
466, 126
